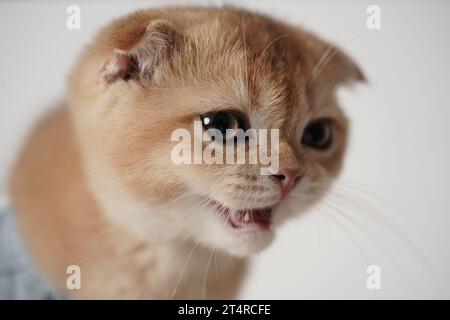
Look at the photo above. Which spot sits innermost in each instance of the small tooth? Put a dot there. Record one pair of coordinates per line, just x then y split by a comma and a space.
246, 217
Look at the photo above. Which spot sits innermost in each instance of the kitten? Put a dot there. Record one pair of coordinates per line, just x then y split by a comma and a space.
95, 185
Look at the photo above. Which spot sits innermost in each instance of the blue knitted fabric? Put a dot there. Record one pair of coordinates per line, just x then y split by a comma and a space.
19, 278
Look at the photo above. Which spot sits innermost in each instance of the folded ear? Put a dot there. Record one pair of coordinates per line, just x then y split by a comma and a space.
335, 67
154, 45
331, 66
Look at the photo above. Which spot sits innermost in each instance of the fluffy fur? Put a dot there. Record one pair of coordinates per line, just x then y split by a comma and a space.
95, 185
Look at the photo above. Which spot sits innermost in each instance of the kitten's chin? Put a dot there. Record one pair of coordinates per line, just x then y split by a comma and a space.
251, 243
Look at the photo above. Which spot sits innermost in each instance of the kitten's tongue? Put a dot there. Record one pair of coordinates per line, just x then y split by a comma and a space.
251, 220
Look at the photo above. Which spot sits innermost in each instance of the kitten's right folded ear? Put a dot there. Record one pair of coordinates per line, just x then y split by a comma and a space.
155, 44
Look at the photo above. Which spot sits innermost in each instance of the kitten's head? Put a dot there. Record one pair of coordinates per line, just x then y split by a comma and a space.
157, 73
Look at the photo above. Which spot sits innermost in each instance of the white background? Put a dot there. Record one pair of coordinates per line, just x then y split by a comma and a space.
398, 162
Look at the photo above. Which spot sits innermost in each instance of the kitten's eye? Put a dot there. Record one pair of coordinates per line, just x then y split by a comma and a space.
318, 135
221, 121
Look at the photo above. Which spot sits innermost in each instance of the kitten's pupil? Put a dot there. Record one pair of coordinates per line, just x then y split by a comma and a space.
220, 121
318, 135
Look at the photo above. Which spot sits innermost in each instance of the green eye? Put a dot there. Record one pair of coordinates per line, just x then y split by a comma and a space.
318, 135
221, 121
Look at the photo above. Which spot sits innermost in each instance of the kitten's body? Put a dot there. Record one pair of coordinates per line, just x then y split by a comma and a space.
82, 199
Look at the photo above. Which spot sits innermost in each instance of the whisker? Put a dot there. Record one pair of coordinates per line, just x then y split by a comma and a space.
183, 270
346, 231
205, 276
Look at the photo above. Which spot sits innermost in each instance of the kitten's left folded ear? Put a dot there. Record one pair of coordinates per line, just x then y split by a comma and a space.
339, 68
149, 47
331, 66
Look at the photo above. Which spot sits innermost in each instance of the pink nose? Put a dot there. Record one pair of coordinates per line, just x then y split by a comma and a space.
287, 179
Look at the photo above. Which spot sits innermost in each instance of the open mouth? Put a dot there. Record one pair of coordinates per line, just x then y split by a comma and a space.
254, 219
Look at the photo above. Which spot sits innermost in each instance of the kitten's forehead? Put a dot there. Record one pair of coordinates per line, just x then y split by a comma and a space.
262, 67
260, 72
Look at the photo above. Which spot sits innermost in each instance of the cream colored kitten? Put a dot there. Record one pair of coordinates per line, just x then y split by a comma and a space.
95, 185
